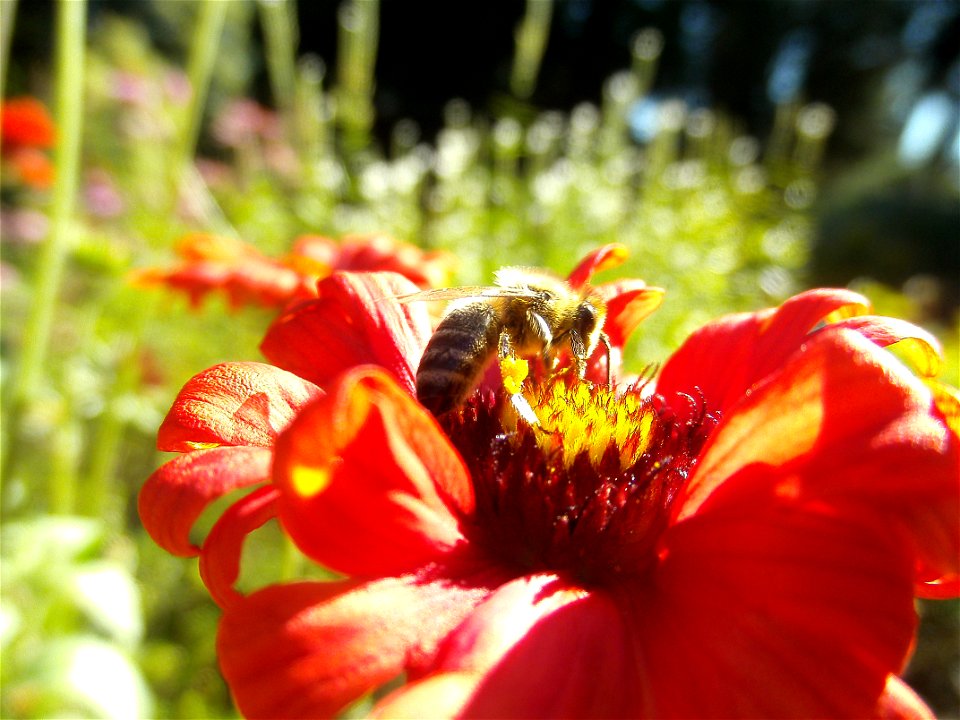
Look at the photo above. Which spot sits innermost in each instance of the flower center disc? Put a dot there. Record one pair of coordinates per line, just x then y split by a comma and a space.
573, 477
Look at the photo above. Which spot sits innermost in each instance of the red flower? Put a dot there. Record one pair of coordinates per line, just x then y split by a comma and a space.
211, 262
25, 122
25, 130
743, 537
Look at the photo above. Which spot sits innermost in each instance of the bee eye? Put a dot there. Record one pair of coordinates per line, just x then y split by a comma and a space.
586, 315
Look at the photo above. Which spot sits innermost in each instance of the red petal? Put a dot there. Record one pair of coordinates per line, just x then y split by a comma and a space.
921, 348
212, 262
843, 422
220, 557
353, 322
371, 486
772, 607
381, 253
25, 121
900, 702
723, 359
629, 302
243, 403
176, 494
603, 258
307, 650
536, 648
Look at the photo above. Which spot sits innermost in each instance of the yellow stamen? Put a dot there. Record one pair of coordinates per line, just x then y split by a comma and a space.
579, 417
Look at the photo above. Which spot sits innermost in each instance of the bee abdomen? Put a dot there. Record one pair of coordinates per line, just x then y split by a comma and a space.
456, 356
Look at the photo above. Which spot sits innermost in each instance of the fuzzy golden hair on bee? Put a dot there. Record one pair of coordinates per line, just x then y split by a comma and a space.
529, 313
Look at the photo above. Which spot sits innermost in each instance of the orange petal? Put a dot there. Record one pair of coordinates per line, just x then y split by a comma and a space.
33, 167
213, 262
241, 403
371, 485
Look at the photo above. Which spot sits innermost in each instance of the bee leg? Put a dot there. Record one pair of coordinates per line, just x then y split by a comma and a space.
606, 344
579, 352
506, 346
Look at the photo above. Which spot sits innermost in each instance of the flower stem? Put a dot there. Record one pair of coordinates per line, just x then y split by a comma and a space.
203, 54
280, 36
359, 22
8, 9
531, 39
69, 63
100, 496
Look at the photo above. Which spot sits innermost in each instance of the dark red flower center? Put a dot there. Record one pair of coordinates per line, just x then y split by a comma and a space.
585, 489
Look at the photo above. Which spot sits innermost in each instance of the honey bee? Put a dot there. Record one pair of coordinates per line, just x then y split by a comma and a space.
527, 312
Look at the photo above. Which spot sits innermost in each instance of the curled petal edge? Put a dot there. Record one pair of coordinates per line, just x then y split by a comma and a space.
603, 258
178, 492
221, 552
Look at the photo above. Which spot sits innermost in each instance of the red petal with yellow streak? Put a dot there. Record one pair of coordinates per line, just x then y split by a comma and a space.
353, 322
603, 258
239, 403
724, 358
786, 582
370, 484
308, 649
921, 349
176, 494
844, 422
629, 302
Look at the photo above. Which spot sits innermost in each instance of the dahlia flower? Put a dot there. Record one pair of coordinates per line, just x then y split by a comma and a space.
26, 132
247, 276
742, 535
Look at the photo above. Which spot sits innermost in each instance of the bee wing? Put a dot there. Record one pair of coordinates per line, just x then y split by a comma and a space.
468, 291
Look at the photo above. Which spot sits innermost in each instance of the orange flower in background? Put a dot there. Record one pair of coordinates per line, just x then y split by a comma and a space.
742, 536
211, 262
26, 129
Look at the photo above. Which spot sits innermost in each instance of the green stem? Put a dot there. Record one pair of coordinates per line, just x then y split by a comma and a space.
359, 22
281, 39
69, 64
310, 112
203, 54
531, 41
8, 9
66, 447
100, 497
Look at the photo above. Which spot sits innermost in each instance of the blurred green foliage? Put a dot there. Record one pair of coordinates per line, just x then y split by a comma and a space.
720, 220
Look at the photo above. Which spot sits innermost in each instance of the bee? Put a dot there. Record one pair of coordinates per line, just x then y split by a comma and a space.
528, 312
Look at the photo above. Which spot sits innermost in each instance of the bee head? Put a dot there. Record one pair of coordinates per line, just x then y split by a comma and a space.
590, 316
